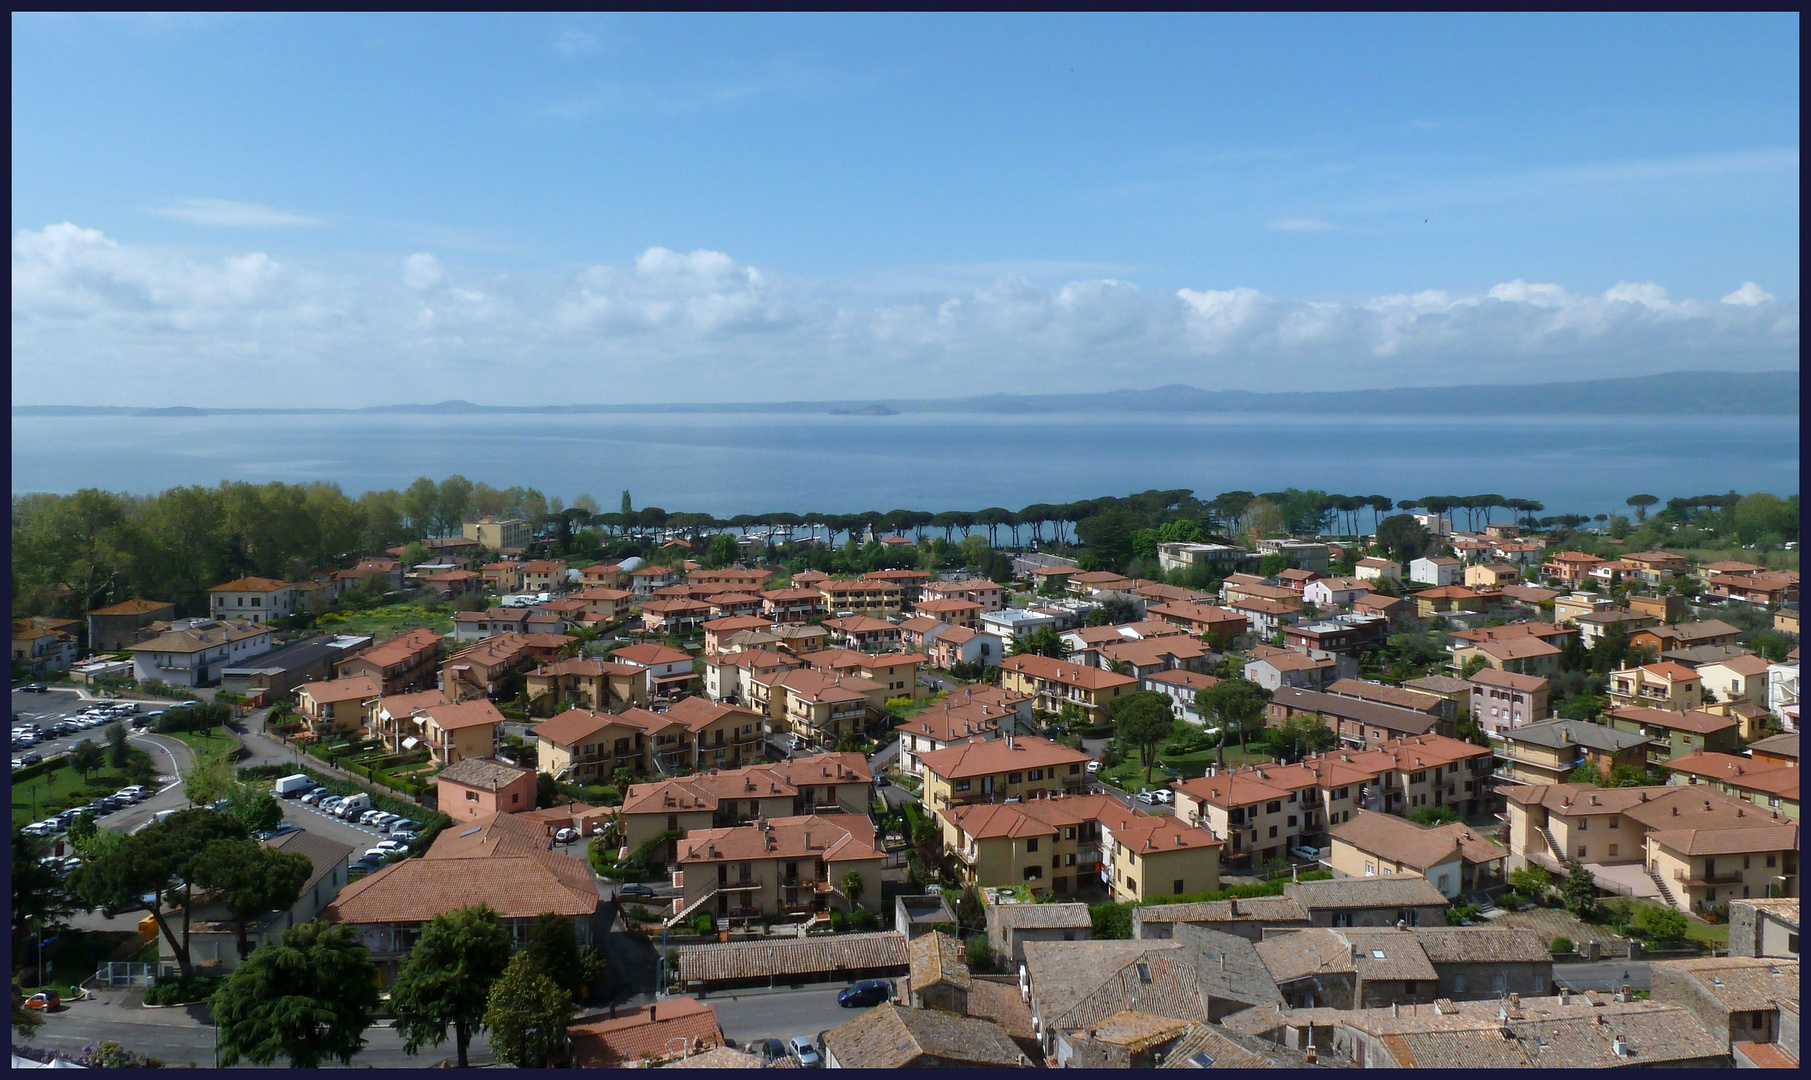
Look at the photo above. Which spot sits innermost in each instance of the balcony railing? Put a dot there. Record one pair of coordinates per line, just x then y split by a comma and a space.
738, 885
1724, 878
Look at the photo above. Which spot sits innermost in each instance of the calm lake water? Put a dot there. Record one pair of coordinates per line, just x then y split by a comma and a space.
732, 464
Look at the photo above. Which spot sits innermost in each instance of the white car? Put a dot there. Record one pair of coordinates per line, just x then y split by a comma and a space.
1093, 767
566, 836
806, 1053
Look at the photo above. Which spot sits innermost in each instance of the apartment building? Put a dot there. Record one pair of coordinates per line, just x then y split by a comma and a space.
1695, 845
794, 605
510, 536
896, 672
722, 798
1676, 734
1376, 569
991, 596
1548, 751
1663, 685
727, 674
1359, 723
256, 600
733, 579
817, 707
1274, 669
668, 670
1771, 785
960, 645
193, 652
1022, 767
675, 617
1454, 858
481, 670
777, 868
338, 706
400, 664
1262, 811
1052, 684
1055, 844
877, 599
114, 627
1420, 701
1769, 589
586, 746
1147, 656
1501, 700
1217, 624
863, 633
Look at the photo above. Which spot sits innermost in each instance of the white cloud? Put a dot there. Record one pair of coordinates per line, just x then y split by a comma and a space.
227, 214
1749, 295
92, 311
1299, 224
421, 271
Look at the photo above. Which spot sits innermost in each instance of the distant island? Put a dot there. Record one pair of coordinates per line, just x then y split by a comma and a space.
1681, 393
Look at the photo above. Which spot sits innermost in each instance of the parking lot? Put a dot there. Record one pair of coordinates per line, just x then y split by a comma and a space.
53, 707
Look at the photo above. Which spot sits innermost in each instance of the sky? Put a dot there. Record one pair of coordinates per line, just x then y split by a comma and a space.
536, 209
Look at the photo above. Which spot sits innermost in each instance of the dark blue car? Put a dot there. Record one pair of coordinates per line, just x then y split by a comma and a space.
865, 993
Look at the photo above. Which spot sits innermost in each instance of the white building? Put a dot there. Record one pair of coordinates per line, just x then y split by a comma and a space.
259, 600
1436, 570
1327, 593
1375, 569
194, 651
1782, 693
1015, 624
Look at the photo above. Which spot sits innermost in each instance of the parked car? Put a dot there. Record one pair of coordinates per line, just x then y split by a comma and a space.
327, 804
137, 793
18, 763
31, 759
370, 817
383, 820
806, 1053
1309, 854
881, 781
633, 888
1093, 767
34, 688
315, 796
771, 1050
63, 727
865, 993
406, 830
44, 1000
566, 836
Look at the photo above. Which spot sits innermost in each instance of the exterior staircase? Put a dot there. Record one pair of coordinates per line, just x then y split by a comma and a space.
1552, 845
1665, 892
679, 916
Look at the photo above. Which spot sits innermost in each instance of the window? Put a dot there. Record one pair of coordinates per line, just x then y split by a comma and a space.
1408, 986
1037, 774
1615, 823
1612, 851
515, 798
1292, 821
1075, 769
1071, 861
1583, 824
1177, 888
1581, 851
1034, 873
1370, 869
1031, 844
1273, 832
1069, 833
962, 785
1771, 859
471, 796
1272, 807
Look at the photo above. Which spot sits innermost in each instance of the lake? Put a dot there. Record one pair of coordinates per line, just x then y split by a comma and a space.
727, 464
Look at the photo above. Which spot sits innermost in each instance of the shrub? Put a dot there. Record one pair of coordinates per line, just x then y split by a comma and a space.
1111, 921
704, 923
181, 990
861, 919
838, 922
1562, 944
981, 957
1659, 924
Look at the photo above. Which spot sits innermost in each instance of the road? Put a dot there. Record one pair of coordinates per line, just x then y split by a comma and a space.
1607, 975
186, 1036
747, 1015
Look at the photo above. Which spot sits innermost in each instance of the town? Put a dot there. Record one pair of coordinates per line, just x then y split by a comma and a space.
1280, 780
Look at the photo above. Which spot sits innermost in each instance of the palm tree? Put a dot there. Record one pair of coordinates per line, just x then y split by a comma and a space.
852, 886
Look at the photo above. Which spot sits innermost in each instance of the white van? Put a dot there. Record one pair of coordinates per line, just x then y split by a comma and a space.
353, 807
288, 787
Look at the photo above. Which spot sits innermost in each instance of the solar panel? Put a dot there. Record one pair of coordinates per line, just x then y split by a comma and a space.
1201, 1059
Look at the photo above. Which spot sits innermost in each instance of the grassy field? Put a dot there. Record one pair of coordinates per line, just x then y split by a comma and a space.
202, 741
385, 622
41, 796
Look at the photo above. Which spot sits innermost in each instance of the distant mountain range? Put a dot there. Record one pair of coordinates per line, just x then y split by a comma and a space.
1771, 393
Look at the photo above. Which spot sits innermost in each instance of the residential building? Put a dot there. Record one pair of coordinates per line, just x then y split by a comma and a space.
1180, 687
890, 1037
400, 664
1779, 749
503, 863
1352, 635
1011, 926
876, 599
1146, 656
897, 673
1501, 700
1025, 767
41, 649
587, 747
1393, 608
734, 579
1764, 784
1376, 569
1053, 683
1676, 733
1782, 691
863, 633
991, 596
1216, 624
668, 1033
1249, 918
794, 605
956, 612
1359, 723
646, 580
1057, 843
1015, 624
817, 707
1436, 570
479, 787
254, 599
1301, 554
1570, 568
1549, 751
213, 929
669, 670
675, 617
1264, 811
344, 706
1686, 845
1659, 639
510, 536
966, 714
1567, 609
194, 651
584, 684
1764, 928
1454, 857
453, 732
114, 627
1454, 600
1736, 998
1266, 618
1402, 698
1593, 626
1737, 679
1172, 556
960, 645
777, 867
726, 675
1274, 668
374, 576
1491, 575
1663, 685
481, 670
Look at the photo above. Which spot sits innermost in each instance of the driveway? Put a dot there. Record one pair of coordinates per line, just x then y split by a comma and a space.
748, 1015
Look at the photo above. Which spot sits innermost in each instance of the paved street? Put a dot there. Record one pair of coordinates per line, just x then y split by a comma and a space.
747, 1015
186, 1036
1608, 975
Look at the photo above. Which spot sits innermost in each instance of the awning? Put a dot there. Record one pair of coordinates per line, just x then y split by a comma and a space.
410, 743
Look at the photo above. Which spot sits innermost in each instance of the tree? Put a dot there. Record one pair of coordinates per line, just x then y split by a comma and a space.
1113, 611
1579, 891
1586, 774
1531, 882
1235, 703
1143, 719
250, 880
445, 980
628, 505
1660, 924
852, 885
257, 810
307, 998
1402, 537
118, 752
211, 778
152, 869
1473, 666
1641, 504
38, 898
526, 1014
553, 945
85, 757
1298, 737
414, 554
1043, 641
1262, 519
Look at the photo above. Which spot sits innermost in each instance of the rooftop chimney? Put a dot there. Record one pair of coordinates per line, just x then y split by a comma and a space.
1395, 1008
1620, 1046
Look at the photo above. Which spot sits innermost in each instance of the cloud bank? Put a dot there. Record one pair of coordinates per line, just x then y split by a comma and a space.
136, 324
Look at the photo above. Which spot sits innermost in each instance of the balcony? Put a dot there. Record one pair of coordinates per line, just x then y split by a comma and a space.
965, 856
1724, 878
739, 885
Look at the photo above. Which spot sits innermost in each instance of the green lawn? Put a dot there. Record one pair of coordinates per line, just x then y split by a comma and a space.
384, 622
1129, 774
202, 741
43, 795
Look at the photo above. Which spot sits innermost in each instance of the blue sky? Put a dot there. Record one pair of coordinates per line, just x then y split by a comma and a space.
978, 204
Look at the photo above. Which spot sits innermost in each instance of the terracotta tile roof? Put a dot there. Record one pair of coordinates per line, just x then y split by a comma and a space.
1188, 680
604, 1042
1397, 840
1077, 983
1740, 772
720, 1057
833, 838
738, 960
1482, 945
1767, 837
590, 669
1066, 672
1741, 983
399, 648
351, 688
1261, 909
889, 1037
833, 768
821, 686
576, 725
1147, 651
995, 756
251, 584
1765, 1055
985, 821
1388, 717
1670, 671
1195, 613
1509, 680
860, 624
482, 773
514, 886
200, 639
1042, 916
1694, 720
478, 712
648, 655
133, 607
1513, 630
